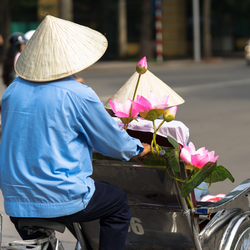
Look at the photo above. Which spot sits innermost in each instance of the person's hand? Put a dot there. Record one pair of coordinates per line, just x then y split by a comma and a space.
140, 158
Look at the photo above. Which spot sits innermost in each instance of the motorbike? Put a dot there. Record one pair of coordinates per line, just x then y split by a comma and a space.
161, 218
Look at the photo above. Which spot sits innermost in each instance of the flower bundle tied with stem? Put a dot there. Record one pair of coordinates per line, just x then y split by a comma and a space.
141, 68
201, 164
151, 109
126, 112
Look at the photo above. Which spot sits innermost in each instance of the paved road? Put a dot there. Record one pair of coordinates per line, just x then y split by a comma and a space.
216, 110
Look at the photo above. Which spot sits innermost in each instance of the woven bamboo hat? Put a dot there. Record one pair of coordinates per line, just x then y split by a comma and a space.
59, 48
148, 82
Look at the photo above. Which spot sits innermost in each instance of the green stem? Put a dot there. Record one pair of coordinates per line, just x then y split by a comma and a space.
159, 126
157, 147
189, 202
210, 182
154, 139
152, 147
180, 186
137, 84
126, 126
175, 178
190, 175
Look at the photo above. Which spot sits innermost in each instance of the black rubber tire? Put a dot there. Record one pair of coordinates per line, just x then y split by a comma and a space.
244, 229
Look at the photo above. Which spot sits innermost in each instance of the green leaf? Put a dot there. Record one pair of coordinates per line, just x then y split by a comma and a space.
198, 178
155, 161
174, 160
173, 141
167, 151
220, 174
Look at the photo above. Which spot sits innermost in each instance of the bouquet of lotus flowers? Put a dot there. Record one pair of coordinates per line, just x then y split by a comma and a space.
201, 164
148, 109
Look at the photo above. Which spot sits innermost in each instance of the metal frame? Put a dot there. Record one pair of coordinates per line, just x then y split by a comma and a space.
161, 218
225, 215
232, 229
224, 218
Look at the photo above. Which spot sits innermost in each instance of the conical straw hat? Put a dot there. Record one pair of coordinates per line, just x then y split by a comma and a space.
148, 82
59, 48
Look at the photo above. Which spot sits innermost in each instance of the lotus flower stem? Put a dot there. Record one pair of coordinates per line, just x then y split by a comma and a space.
179, 182
130, 112
159, 126
137, 84
154, 139
175, 178
157, 147
154, 135
210, 182
190, 175
187, 198
126, 126
189, 202
204, 188
152, 147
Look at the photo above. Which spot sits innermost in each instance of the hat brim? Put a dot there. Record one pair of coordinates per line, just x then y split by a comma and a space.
148, 82
58, 49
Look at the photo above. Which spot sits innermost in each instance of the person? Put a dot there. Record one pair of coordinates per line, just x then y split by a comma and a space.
50, 125
29, 34
201, 191
1, 47
17, 42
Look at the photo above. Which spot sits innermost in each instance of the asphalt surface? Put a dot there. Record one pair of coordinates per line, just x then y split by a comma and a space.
216, 111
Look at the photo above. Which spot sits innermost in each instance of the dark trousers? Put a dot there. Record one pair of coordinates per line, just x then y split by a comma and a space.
109, 204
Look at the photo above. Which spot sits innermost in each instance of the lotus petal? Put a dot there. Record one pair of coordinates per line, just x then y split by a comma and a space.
185, 155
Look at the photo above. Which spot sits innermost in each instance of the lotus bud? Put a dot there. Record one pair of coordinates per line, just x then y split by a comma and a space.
169, 114
142, 66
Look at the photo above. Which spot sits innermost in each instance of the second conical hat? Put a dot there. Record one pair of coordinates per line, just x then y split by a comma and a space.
59, 48
148, 82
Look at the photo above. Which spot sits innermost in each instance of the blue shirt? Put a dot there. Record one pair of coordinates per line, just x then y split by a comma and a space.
48, 133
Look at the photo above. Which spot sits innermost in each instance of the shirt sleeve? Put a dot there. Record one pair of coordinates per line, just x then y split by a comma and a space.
102, 132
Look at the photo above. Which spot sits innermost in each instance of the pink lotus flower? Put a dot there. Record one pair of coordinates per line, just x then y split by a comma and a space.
142, 66
196, 159
123, 111
152, 108
169, 114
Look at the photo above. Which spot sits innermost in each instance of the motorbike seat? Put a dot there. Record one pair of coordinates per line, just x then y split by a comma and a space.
36, 224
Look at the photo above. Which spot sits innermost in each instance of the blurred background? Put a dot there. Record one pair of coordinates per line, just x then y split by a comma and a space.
197, 47
165, 28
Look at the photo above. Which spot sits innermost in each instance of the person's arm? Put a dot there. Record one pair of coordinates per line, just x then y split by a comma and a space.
103, 134
140, 158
